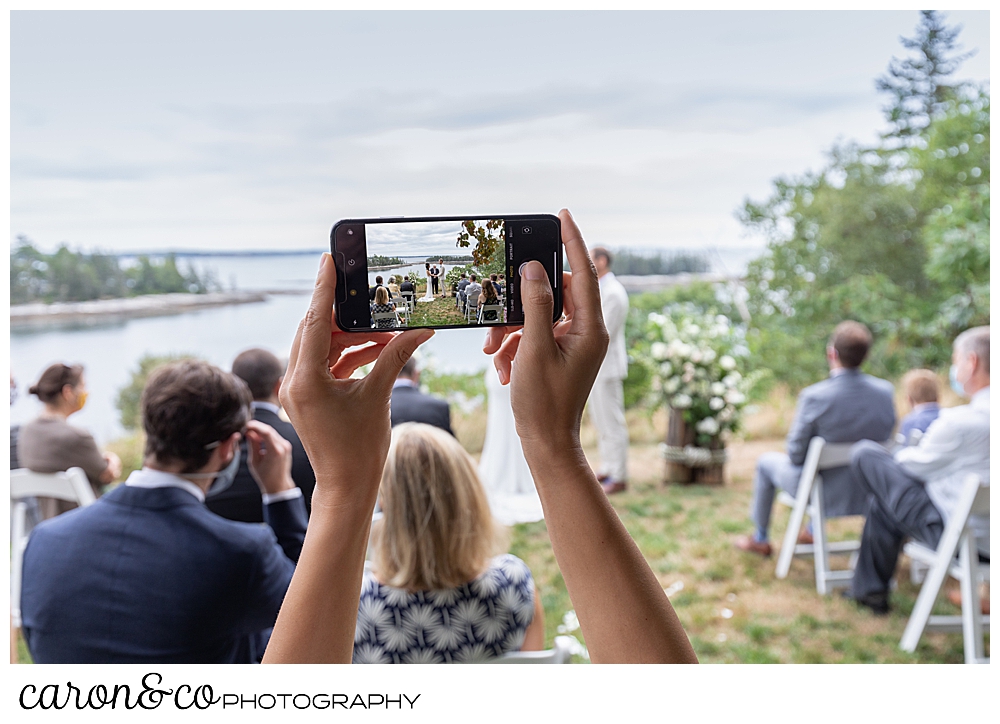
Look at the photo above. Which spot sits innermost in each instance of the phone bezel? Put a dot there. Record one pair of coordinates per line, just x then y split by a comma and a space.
341, 271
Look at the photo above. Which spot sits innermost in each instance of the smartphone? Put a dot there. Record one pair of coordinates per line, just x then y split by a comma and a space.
440, 272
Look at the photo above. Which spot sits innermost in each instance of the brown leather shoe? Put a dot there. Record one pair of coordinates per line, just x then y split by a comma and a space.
749, 545
613, 486
955, 596
805, 538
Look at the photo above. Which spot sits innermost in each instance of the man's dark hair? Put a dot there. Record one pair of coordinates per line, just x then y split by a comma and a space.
600, 251
472, 277
50, 385
852, 340
189, 404
260, 369
409, 369
378, 280
462, 275
406, 277
493, 277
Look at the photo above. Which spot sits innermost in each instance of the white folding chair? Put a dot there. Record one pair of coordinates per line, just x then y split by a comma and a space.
384, 316
71, 485
820, 456
471, 311
958, 538
498, 308
560, 653
402, 309
410, 298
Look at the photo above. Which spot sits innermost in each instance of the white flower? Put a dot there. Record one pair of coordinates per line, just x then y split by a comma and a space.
726, 414
732, 379
672, 385
656, 384
716, 403
718, 388
735, 397
708, 356
666, 369
708, 426
659, 351
696, 356
681, 402
727, 363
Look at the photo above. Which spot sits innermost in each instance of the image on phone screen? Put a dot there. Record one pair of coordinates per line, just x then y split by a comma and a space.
438, 272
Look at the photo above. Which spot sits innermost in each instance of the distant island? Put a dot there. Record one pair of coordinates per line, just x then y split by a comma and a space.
449, 259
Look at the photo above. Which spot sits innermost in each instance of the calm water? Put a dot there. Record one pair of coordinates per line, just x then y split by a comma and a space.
110, 352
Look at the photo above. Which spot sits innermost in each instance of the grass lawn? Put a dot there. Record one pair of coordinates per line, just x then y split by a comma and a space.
731, 605
441, 311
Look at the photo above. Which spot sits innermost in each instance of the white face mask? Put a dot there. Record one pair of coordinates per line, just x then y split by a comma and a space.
224, 478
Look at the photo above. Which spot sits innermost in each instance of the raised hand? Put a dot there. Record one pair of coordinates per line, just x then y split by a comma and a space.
344, 426
270, 460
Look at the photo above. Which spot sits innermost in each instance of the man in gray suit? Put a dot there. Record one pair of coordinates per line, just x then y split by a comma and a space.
846, 407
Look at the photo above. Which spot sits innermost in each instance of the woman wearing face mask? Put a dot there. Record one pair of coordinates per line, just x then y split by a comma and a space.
49, 444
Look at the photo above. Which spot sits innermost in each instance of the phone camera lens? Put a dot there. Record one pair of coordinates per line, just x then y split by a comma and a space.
350, 232
525, 229
350, 262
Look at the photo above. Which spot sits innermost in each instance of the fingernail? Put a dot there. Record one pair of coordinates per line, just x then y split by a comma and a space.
532, 272
323, 260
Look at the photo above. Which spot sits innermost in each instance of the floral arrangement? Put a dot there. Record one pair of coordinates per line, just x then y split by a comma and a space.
695, 359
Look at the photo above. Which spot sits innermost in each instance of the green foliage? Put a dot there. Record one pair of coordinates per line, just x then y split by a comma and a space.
449, 259
130, 396
379, 260
69, 276
634, 262
898, 240
454, 274
487, 255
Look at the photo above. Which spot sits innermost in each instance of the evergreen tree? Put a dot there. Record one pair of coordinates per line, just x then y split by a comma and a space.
916, 85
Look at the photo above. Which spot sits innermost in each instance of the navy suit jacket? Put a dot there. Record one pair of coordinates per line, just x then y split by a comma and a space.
409, 404
242, 499
919, 420
152, 576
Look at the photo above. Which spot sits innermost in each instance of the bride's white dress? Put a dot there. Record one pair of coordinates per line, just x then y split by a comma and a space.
502, 467
428, 296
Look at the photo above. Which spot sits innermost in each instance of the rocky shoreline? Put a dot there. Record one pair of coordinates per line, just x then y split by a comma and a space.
150, 305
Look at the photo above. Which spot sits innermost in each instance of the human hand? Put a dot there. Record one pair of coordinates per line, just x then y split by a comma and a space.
343, 423
270, 460
114, 469
556, 364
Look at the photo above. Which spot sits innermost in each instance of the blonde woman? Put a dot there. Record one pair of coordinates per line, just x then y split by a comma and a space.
436, 593
383, 304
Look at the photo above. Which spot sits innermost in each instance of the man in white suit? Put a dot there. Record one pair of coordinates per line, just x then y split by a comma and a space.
607, 399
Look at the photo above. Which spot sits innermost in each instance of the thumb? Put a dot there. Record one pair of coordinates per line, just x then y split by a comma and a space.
318, 323
394, 355
536, 300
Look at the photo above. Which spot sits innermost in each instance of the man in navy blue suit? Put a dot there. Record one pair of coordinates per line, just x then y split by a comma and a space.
148, 574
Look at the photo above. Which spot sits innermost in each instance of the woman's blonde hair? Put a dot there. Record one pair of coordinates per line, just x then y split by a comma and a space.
437, 530
381, 295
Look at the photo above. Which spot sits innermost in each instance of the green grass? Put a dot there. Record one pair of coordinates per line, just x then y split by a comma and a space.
686, 535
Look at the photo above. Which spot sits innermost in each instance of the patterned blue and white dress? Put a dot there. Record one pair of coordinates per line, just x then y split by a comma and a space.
478, 621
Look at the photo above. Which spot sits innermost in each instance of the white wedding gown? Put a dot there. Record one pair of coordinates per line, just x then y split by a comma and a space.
502, 467
428, 296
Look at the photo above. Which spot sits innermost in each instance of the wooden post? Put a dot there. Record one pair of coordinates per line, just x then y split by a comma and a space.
680, 435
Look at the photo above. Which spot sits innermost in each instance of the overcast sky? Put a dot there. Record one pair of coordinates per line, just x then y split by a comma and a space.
153, 130
423, 239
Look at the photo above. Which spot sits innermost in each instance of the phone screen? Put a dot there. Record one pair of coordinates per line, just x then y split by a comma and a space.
439, 272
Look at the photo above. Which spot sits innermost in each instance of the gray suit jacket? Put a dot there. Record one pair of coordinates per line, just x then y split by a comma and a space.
848, 407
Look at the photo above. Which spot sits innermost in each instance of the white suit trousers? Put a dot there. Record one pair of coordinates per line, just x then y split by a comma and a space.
607, 413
